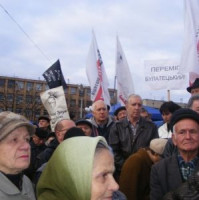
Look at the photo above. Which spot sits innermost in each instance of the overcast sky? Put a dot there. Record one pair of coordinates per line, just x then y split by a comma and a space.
147, 29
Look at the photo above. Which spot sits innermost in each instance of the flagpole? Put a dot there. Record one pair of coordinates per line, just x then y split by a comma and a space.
115, 95
168, 95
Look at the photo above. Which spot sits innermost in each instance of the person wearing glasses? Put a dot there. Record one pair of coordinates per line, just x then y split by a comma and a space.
61, 129
169, 173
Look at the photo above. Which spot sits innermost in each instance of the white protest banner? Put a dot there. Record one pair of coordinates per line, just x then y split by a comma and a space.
96, 74
164, 74
55, 103
190, 54
125, 84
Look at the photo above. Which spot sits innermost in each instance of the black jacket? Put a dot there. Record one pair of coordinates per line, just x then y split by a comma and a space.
122, 142
44, 156
35, 151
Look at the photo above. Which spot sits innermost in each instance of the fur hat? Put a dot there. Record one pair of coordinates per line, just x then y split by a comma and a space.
158, 145
9, 121
183, 113
194, 85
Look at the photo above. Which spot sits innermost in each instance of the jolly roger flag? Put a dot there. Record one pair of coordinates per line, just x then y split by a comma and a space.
54, 76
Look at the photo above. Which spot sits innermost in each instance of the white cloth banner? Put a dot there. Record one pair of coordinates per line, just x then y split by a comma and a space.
55, 103
164, 74
96, 74
125, 85
190, 54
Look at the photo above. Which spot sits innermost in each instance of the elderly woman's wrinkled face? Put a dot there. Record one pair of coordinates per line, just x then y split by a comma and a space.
15, 151
103, 183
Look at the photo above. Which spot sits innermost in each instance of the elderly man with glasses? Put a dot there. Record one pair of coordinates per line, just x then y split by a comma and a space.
61, 129
170, 172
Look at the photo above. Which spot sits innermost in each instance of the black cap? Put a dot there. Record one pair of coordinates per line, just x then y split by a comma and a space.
183, 113
194, 85
45, 118
119, 109
83, 121
74, 132
42, 134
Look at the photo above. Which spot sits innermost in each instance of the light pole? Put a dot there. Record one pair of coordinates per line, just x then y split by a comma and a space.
81, 94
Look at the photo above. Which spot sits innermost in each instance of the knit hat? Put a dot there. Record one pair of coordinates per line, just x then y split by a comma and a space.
42, 134
9, 121
158, 145
74, 132
119, 109
183, 113
83, 121
194, 85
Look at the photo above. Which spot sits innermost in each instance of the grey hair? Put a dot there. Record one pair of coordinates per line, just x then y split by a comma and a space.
100, 146
192, 99
132, 96
94, 104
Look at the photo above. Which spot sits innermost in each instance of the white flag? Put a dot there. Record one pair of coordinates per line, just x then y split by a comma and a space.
190, 53
96, 74
125, 85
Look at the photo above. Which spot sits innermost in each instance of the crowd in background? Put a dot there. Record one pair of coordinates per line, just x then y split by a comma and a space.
125, 156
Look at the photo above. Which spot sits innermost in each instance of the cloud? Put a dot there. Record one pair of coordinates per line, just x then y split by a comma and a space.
62, 29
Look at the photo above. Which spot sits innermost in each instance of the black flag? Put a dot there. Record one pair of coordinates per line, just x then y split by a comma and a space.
54, 76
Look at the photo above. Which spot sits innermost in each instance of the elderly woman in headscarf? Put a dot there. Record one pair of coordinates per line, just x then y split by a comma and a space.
81, 168
15, 132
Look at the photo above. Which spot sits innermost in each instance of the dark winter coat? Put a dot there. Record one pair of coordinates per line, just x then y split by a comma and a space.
165, 177
44, 156
187, 191
101, 131
122, 142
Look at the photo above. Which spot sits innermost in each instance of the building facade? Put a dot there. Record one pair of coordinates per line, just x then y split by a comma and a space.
22, 96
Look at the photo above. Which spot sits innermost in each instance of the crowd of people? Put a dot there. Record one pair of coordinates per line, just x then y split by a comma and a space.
125, 156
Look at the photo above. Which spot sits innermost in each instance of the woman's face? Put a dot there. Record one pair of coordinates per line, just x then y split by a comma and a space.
103, 183
15, 151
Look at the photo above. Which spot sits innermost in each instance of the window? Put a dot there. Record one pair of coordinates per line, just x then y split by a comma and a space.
72, 102
28, 99
28, 112
20, 85
19, 99
88, 92
112, 94
18, 110
37, 113
47, 87
10, 109
2, 83
10, 97
73, 90
2, 96
37, 99
29, 86
38, 86
11, 83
